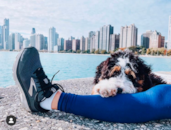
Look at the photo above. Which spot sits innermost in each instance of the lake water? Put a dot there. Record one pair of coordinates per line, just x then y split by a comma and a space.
70, 65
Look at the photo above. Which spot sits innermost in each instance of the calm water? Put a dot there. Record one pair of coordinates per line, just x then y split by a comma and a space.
70, 65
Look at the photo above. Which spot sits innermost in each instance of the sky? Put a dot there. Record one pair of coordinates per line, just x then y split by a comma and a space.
78, 17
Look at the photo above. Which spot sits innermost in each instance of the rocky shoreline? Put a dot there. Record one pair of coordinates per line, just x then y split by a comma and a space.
56, 120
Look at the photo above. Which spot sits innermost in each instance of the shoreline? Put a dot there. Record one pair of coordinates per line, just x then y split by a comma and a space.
92, 54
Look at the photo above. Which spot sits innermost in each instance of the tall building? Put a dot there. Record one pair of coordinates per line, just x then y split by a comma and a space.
5, 34
71, 38
82, 43
56, 48
21, 42
128, 36
67, 45
33, 31
162, 41
52, 39
33, 37
56, 38
169, 34
145, 38
33, 40
114, 41
12, 41
92, 43
91, 33
60, 44
105, 32
156, 40
17, 41
46, 43
40, 41
97, 40
26, 43
87, 44
75, 44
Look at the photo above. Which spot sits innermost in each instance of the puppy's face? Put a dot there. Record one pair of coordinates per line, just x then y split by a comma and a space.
130, 70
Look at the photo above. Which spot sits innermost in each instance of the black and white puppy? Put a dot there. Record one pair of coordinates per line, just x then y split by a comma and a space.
125, 73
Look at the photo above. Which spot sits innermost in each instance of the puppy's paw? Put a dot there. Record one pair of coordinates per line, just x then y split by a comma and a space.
108, 92
105, 89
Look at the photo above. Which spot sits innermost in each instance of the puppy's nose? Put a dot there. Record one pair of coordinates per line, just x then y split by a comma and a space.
119, 90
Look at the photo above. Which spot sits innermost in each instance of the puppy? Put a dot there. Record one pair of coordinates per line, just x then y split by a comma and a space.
124, 72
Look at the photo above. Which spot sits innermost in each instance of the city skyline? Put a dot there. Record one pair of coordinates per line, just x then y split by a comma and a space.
69, 20
105, 39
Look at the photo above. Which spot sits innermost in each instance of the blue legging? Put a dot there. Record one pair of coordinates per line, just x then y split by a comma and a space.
152, 104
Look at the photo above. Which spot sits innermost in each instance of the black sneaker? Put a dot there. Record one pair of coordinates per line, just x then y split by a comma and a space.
29, 76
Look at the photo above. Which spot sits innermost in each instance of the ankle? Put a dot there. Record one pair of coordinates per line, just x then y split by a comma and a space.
54, 104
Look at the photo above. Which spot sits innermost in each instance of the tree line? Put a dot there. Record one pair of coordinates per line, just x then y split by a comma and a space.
137, 50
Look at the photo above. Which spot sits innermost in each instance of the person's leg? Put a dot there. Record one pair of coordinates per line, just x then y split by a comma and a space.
36, 89
152, 104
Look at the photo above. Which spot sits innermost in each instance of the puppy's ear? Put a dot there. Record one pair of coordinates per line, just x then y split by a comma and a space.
147, 69
142, 67
105, 65
98, 73
101, 70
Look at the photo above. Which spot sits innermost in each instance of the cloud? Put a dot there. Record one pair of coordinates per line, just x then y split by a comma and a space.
77, 18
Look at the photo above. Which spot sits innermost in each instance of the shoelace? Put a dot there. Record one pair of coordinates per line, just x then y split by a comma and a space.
60, 86
45, 82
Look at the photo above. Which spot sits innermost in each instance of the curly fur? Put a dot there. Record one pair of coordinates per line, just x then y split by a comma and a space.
135, 68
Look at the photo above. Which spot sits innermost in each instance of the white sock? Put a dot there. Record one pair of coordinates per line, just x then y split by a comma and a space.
46, 104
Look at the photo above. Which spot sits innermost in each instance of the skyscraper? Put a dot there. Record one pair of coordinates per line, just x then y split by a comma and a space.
26, 42
92, 43
114, 41
12, 41
156, 40
40, 41
33, 40
128, 36
91, 33
71, 38
97, 40
105, 32
87, 44
60, 44
75, 44
5, 34
17, 41
169, 34
21, 42
145, 38
67, 45
33, 31
52, 39
46, 43
91, 40
56, 38
82, 43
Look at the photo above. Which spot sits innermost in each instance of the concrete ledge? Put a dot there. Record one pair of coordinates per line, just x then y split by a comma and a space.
55, 120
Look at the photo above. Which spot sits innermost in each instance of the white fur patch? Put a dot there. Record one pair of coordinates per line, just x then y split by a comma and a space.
109, 87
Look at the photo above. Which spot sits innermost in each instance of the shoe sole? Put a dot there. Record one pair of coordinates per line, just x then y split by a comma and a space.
22, 94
